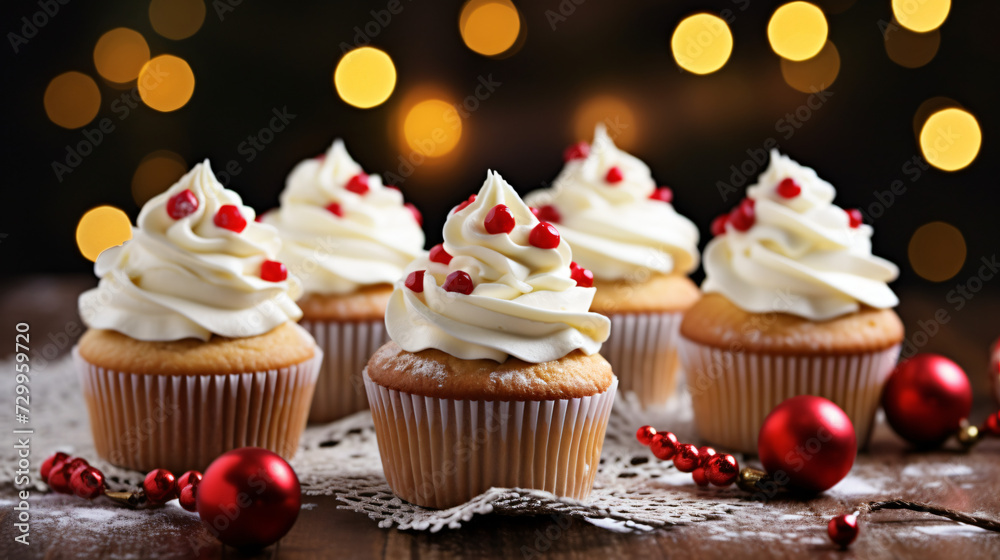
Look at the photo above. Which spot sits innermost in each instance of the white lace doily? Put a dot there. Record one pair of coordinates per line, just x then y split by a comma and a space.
633, 491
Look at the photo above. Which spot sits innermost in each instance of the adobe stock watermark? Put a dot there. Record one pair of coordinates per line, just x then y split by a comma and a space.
33, 23
786, 126
255, 143
93, 137
547, 537
366, 32
224, 8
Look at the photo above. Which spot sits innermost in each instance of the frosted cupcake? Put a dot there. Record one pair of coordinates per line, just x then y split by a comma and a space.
492, 377
795, 304
348, 238
640, 250
192, 348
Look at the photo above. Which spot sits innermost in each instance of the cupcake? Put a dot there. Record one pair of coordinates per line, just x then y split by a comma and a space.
192, 348
625, 230
795, 304
348, 238
492, 377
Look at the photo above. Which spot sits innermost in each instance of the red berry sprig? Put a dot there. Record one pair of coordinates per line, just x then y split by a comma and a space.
705, 464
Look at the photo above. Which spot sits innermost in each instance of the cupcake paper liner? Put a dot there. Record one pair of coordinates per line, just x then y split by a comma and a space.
642, 351
347, 346
440, 453
183, 422
732, 392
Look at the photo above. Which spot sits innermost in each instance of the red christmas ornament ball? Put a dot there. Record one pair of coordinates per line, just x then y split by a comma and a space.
249, 498
843, 529
810, 441
926, 399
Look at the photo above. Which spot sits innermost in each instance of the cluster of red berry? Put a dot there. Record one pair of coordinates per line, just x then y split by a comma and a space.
704, 463
73, 475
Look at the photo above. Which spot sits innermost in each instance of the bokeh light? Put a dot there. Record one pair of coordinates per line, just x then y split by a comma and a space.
950, 139
166, 83
616, 114
489, 27
910, 49
921, 15
155, 174
702, 43
930, 106
797, 31
101, 228
72, 100
814, 74
177, 19
120, 54
432, 127
937, 251
365, 77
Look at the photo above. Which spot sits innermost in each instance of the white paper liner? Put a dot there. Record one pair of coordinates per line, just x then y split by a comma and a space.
732, 392
441, 453
642, 351
347, 346
183, 422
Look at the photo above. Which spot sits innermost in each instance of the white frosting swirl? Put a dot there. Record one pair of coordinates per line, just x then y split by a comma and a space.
616, 230
801, 256
370, 243
524, 304
189, 278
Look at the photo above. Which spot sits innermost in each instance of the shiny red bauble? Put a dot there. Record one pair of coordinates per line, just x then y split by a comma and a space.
160, 486
645, 435
687, 458
49, 462
722, 470
249, 498
810, 441
87, 482
664, 445
926, 399
994, 373
843, 529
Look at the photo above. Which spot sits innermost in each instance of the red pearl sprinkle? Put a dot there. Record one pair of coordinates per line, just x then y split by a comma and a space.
664, 445
439, 255
544, 236
229, 217
719, 225
358, 184
459, 282
663, 194
855, 217
843, 529
273, 271
614, 175
465, 204
686, 459
188, 498
415, 281
547, 213
182, 204
48, 463
320, 157
260, 217
705, 453
393, 187
499, 220
417, 216
699, 476
584, 278
722, 470
743, 216
580, 150
645, 435
788, 188
160, 486
335, 209
87, 483
189, 478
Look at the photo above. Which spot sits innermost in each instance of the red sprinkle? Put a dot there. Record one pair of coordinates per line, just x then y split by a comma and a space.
580, 150
663, 194
182, 204
273, 271
719, 224
743, 217
499, 220
465, 203
358, 184
788, 188
614, 176
439, 255
458, 282
417, 216
547, 213
335, 209
415, 281
229, 217
544, 236
584, 278
855, 216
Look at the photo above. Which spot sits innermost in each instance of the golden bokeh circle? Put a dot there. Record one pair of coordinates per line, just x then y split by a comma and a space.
102, 228
166, 83
72, 100
910, 49
432, 127
616, 114
814, 74
119, 55
937, 251
155, 174
489, 27
365, 77
702, 43
950, 139
921, 15
797, 30
176, 19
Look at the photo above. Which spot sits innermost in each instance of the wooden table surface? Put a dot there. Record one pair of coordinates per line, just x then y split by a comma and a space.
782, 528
